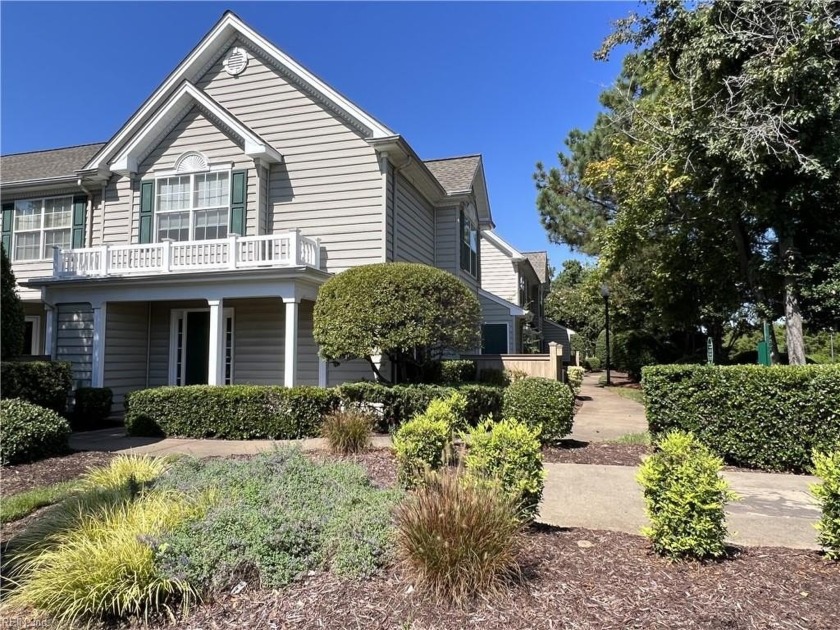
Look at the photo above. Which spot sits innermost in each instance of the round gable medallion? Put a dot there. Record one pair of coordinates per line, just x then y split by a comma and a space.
236, 61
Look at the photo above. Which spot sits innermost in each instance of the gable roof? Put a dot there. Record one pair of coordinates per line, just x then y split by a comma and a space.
502, 245
46, 165
208, 50
539, 261
455, 174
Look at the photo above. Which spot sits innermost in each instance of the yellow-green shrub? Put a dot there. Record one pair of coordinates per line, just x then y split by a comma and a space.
450, 410
575, 376
685, 497
421, 444
509, 452
827, 493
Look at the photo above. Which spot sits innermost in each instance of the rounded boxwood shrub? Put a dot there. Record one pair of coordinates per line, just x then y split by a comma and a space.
43, 383
541, 403
575, 376
509, 452
29, 432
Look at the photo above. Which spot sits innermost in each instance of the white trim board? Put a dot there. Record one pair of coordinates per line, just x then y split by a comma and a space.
180, 313
516, 311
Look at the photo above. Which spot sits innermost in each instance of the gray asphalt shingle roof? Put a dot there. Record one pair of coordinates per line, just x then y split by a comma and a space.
539, 261
43, 164
455, 174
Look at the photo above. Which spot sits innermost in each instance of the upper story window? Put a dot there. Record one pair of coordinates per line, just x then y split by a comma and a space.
193, 207
41, 224
469, 245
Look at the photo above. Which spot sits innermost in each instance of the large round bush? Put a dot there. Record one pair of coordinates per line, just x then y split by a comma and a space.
543, 403
30, 432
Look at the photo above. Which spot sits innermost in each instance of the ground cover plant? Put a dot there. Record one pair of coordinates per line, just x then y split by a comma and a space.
17, 506
543, 404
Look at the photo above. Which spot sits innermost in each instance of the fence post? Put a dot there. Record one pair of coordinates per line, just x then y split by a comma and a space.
555, 357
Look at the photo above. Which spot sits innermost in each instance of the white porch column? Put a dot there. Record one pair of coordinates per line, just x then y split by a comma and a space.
291, 342
49, 332
322, 372
216, 357
97, 378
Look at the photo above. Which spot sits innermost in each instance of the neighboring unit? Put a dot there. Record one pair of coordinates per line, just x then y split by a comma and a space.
190, 247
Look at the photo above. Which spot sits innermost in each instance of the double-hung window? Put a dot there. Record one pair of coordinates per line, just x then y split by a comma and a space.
193, 207
40, 224
469, 245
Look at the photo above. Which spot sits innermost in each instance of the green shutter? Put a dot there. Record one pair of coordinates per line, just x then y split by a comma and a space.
79, 221
238, 195
147, 211
8, 217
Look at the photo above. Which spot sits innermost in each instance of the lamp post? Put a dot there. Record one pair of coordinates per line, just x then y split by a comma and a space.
605, 292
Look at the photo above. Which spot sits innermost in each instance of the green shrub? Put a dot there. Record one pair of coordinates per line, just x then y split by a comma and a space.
29, 432
592, 364
347, 432
755, 416
575, 376
542, 404
421, 444
493, 376
93, 406
827, 493
457, 371
105, 566
509, 452
12, 324
451, 410
43, 383
396, 404
685, 497
458, 539
234, 412
278, 516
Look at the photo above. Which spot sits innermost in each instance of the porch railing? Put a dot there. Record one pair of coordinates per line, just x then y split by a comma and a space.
285, 249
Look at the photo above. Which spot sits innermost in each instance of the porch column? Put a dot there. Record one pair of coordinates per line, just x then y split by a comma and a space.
216, 355
291, 342
97, 378
49, 332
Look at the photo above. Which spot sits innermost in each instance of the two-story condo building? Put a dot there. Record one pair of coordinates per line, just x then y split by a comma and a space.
189, 248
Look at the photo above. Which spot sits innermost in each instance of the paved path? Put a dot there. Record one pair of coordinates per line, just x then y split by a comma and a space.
605, 416
116, 441
774, 510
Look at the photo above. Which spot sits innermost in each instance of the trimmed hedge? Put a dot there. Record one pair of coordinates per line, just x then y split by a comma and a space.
754, 416
457, 371
43, 383
93, 406
541, 403
29, 432
397, 404
233, 412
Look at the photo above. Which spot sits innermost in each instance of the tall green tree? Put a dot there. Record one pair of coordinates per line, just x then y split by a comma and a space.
12, 321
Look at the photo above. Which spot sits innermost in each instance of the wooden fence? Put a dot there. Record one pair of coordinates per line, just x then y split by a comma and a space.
543, 365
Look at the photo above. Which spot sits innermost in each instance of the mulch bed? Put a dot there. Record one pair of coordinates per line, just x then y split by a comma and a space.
16, 479
381, 465
574, 452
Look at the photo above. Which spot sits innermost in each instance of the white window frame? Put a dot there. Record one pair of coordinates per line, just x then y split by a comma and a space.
36, 334
218, 168
472, 228
507, 335
177, 314
41, 229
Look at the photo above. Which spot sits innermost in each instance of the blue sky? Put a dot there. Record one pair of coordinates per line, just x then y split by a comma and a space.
505, 80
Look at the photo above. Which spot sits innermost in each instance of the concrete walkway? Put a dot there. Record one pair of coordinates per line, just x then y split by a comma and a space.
774, 509
605, 416
116, 441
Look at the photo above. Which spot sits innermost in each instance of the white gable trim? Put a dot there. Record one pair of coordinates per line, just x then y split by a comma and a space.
128, 160
515, 310
503, 246
204, 55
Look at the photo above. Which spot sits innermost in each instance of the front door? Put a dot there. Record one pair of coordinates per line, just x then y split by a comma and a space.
197, 346
494, 339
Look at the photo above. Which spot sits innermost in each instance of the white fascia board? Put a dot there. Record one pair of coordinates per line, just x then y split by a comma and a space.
503, 246
126, 161
228, 27
516, 311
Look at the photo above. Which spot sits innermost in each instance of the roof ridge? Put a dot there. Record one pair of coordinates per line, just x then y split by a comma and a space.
454, 157
72, 146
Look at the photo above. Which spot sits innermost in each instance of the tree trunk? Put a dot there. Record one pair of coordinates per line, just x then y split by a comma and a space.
793, 316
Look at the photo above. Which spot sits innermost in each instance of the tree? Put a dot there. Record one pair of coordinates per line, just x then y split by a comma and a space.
409, 313
575, 302
13, 321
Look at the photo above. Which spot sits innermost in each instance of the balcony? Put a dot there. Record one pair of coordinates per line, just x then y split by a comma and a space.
285, 249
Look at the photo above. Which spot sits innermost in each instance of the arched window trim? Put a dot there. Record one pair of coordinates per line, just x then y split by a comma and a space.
192, 162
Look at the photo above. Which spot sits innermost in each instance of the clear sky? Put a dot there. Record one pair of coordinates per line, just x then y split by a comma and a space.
505, 80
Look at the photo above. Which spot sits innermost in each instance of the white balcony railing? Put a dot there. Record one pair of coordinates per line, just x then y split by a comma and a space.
286, 249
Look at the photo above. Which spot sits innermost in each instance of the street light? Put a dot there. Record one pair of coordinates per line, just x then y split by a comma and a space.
605, 292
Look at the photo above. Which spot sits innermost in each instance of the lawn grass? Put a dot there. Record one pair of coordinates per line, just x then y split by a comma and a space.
642, 438
629, 393
17, 506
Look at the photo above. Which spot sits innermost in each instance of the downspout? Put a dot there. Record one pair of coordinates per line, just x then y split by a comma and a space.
102, 223
89, 238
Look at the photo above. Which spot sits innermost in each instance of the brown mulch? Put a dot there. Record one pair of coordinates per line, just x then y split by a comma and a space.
380, 464
572, 579
573, 452
15, 479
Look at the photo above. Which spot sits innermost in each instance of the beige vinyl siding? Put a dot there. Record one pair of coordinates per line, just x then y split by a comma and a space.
389, 213
415, 225
74, 340
446, 239
126, 328
498, 273
115, 227
329, 184
196, 132
495, 313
